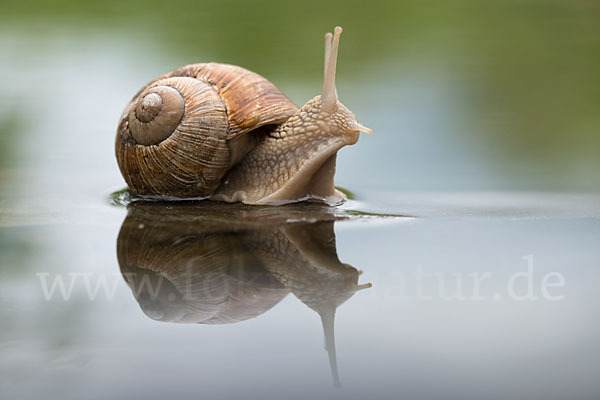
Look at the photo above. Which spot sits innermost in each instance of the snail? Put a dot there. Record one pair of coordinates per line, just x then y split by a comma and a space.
222, 132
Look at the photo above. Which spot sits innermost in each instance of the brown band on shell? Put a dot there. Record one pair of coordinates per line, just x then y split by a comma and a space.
252, 101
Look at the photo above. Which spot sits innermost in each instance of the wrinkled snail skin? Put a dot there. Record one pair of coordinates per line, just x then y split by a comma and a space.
295, 161
221, 132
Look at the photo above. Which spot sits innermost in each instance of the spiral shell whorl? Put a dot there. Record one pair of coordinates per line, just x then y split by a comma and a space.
182, 150
156, 114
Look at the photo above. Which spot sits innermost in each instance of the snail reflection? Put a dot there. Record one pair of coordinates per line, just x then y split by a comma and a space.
213, 263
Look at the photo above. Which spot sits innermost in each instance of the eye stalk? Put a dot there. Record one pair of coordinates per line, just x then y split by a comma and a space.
329, 97
329, 93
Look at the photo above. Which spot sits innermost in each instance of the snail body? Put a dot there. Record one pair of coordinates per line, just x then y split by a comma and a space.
225, 133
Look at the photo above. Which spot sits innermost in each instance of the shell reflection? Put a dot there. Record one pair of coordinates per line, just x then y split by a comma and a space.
213, 263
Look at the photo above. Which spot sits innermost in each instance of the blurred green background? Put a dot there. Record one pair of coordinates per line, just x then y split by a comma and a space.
462, 95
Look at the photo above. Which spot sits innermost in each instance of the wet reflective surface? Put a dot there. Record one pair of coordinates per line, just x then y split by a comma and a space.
475, 214
176, 299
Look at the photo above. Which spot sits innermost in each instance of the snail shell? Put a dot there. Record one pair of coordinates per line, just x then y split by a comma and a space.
180, 135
